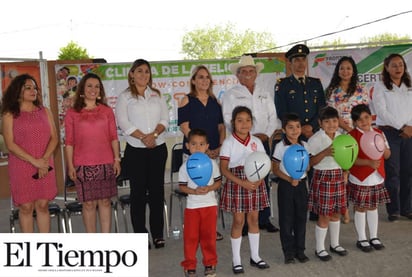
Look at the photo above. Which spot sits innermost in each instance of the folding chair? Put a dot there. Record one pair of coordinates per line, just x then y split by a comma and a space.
72, 206
54, 210
176, 161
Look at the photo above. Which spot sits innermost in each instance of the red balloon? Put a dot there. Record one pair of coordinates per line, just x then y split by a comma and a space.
372, 144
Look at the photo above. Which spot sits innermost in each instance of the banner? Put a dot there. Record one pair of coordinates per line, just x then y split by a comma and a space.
171, 78
369, 62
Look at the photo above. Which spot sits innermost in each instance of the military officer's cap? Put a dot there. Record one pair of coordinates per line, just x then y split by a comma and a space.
299, 50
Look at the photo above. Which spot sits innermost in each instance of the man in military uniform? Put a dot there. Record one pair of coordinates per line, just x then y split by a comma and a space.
299, 93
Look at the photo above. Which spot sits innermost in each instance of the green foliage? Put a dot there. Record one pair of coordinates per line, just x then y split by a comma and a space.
73, 51
374, 41
221, 42
385, 37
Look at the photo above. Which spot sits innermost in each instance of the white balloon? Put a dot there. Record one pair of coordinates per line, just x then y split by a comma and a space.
257, 166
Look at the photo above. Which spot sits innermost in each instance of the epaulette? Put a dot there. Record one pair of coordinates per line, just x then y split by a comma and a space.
279, 80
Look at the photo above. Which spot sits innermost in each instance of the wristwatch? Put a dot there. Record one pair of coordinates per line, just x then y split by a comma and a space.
155, 134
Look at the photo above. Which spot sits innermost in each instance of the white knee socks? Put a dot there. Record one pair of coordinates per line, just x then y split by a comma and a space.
360, 225
320, 235
372, 217
254, 246
236, 243
334, 230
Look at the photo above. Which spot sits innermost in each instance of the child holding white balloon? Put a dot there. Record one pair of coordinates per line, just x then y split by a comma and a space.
327, 196
239, 195
366, 189
201, 207
292, 190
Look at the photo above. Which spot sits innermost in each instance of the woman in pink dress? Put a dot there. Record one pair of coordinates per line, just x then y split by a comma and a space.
31, 138
92, 152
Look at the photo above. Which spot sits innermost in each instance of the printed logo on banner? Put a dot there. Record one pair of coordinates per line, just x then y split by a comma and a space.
74, 255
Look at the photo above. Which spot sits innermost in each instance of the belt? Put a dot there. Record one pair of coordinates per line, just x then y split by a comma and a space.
387, 127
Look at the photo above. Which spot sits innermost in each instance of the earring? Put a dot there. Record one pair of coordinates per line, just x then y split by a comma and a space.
98, 97
81, 95
132, 80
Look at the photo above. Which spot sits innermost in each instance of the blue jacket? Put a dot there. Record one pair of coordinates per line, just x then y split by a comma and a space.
306, 101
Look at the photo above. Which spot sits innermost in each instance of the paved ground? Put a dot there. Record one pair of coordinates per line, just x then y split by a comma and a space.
395, 260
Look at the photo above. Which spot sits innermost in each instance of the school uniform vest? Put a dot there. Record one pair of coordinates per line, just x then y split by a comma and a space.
362, 172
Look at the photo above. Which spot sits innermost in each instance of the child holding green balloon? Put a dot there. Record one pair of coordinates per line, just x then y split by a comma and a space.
327, 196
201, 209
366, 182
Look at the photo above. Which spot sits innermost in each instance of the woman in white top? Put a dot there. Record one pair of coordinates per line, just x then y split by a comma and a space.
143, 116
392, 101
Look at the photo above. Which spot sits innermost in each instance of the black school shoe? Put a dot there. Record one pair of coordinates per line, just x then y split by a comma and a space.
364, 245
269, 227
260, 264
301, 257
289, 259
377, 245
338, 250
323, 258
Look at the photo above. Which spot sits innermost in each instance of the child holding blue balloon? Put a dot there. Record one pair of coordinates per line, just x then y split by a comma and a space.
327, 196
239, 195
199, 177
366, 180
290, 162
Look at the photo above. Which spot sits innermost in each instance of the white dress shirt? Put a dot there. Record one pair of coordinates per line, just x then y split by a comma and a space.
392, 107
141, 113
260, 103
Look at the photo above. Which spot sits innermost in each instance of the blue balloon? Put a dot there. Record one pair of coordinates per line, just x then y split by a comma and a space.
199, 167
296, 161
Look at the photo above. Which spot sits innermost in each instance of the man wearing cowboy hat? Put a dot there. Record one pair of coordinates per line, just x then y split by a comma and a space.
252, 95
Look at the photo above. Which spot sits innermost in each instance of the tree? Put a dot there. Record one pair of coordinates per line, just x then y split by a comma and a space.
223, 42
384, 38
373, 41
73, 51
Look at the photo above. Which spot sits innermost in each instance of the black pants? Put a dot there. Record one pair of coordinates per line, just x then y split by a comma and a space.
145, 168
292, 206
398, 169
264, 214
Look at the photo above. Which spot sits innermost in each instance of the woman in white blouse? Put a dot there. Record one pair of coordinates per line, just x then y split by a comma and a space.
143, 116
392, 101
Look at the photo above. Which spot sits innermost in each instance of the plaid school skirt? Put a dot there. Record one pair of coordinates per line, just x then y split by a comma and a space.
235, 198
368, 196
327, 194
95, 182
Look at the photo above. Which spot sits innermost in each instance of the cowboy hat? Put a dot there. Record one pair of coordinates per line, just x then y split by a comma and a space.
245, 61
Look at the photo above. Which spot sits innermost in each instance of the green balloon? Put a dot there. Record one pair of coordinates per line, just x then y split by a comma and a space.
345, 150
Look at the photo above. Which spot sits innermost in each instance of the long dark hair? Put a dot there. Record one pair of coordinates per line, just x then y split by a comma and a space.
335, 80
386, 78
12, 95
79, 104
132, 87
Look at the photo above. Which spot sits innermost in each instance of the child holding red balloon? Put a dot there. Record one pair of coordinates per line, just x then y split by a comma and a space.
292, 191
239, 195
327, 196
366, 189
201, 206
